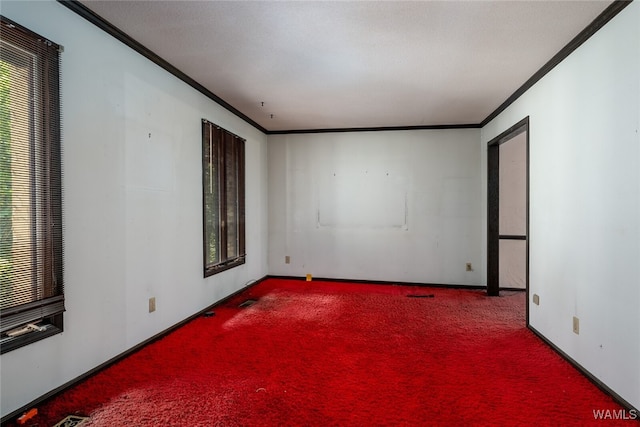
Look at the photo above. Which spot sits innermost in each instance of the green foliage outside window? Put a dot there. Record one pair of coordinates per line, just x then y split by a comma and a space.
6, 226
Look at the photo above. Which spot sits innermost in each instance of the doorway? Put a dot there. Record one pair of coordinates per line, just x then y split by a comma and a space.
508, 211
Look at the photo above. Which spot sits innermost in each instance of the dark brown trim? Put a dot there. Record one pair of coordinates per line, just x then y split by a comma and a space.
609, 13
493, 216
241, 202
528, 243
373, 129
50, 329
380, 282
513, 131
511, 237
114, 31
223, 266
602, 386
124, 354
205, 133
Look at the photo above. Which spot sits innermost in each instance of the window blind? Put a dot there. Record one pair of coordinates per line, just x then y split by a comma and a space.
223, 198
31, 274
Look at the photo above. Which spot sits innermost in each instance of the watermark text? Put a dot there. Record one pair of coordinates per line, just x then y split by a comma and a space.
616, 414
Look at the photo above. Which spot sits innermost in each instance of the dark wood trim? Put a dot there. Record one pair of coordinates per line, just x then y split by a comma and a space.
223, 266
206, 130
513, 131
380, 282
114, 31
511, 237
528, 243
124, 354
609, 13
493, 217
52, 328
242, 250
373, 129
602, 386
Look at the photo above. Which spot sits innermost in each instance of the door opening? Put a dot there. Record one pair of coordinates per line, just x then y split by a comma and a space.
508, 211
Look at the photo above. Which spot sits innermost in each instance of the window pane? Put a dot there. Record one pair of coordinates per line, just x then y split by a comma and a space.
231, 181
223, 208
31, 282
6, 181
211, 192
18, 190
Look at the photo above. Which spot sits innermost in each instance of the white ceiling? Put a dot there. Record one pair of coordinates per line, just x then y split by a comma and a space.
350, 64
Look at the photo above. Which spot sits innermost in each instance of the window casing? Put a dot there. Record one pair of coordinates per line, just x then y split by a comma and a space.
31, 282
223, 199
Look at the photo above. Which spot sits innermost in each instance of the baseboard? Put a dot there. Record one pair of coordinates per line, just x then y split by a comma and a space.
384, 282
123, 355
512, 289
602, 386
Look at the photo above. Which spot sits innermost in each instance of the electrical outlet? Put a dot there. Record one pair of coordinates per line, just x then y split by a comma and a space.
152, 304
576, 325
469, 266
536, 299
287, 259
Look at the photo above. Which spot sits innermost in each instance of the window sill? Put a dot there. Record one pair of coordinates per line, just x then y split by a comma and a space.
12, 343
219, 268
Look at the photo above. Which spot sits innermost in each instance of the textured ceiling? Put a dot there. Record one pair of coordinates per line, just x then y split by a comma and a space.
319, 65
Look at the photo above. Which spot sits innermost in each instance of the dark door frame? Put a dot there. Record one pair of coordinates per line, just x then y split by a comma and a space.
493, 210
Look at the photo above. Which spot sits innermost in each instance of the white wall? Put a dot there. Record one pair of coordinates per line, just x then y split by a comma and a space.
585, 202
132, 204
394, 206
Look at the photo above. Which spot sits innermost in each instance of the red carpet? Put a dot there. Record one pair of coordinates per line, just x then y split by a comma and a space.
337, 354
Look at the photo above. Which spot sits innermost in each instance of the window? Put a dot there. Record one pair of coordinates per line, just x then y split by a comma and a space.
31, 292
223, 198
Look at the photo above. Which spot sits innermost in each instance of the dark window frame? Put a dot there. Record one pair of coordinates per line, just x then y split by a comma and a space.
45, 310
223, 199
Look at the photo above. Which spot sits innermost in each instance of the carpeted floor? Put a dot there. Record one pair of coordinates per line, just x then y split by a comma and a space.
338, 354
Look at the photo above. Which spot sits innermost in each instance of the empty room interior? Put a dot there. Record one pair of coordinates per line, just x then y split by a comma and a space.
209, 148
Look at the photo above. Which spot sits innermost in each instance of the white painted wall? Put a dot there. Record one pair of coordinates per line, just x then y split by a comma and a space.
585, 202
132, 204
394, 206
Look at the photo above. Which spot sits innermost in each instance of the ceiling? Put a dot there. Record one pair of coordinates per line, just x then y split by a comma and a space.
293, 65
